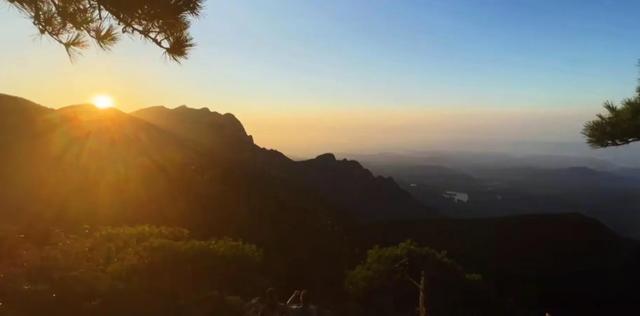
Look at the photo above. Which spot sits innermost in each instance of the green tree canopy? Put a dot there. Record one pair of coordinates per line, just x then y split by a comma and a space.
382, 280
390, 266
143, 270
620, 125
73, 23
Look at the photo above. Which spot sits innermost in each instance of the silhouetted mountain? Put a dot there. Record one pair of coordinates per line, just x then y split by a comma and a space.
200, 170
19, 119
104, 157
208, 129
82, 164
344, 184
192, 168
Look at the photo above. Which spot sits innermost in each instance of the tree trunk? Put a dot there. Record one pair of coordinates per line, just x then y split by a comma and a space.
422, 307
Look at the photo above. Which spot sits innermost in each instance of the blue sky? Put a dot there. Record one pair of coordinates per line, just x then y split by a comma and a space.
496, 53
330, 61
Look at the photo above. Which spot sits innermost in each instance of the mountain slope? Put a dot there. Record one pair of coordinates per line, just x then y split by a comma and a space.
80, 164
199, 169
344, 185
191, 168
209, 129
187, 167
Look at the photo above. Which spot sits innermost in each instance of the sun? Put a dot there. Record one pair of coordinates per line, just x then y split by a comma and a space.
103, 101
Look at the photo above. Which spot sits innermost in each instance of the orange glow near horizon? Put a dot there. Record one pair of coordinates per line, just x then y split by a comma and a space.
103, 101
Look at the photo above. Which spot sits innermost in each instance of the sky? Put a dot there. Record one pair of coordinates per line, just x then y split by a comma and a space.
307, 77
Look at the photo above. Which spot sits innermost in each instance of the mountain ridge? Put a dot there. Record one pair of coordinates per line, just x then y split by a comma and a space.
194, 155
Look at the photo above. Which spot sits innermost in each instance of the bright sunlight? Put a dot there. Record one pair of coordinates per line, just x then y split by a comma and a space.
103, 101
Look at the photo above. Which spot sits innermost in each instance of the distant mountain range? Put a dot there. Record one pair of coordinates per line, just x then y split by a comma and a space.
502, 185
471, 160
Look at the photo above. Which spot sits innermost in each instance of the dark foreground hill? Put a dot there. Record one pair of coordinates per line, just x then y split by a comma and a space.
564, 264
198, 169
